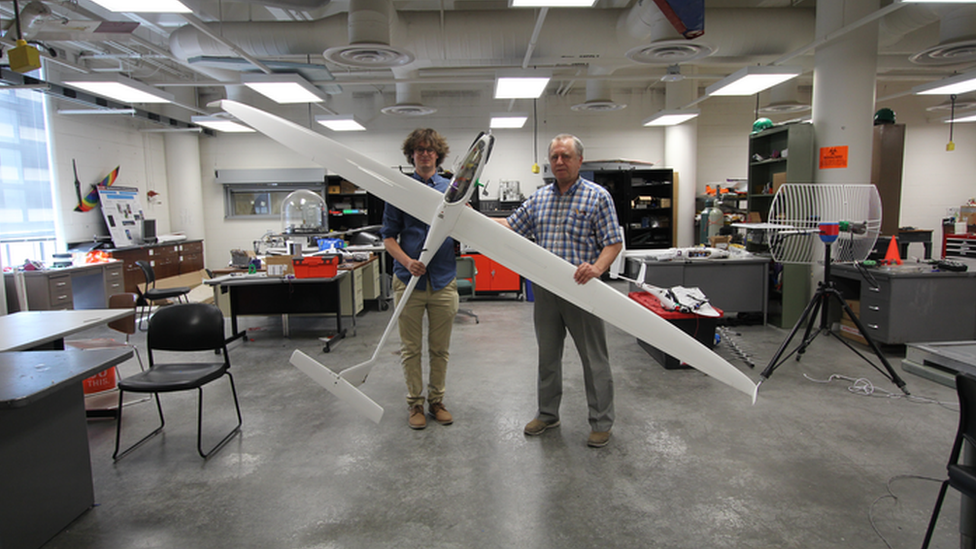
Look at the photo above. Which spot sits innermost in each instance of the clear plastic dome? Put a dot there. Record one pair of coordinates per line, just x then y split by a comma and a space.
304, 212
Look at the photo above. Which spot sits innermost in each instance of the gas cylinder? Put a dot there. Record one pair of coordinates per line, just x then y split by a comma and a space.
712, 220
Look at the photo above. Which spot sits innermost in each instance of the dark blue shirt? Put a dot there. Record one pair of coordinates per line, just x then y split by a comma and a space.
411, 233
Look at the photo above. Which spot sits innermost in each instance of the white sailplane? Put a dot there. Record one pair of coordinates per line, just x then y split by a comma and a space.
488, 237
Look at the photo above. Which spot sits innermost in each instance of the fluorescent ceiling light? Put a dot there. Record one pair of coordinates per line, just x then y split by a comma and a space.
283, 87
671, 117
508, 120
144, 6
752, 80
220, 124
96, 111
340, 122
551, 3
117, 87
960, 83
520, 87
967, 118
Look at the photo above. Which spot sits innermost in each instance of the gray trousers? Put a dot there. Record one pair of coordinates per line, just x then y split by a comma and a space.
553, 315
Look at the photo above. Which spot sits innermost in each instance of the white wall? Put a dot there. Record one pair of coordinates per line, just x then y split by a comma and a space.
99, 143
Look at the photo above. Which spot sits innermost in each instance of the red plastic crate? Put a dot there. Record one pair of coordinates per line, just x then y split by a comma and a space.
320, 266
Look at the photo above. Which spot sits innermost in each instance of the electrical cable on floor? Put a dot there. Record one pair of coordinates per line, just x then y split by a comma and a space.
863, 387
728, 337
894, 497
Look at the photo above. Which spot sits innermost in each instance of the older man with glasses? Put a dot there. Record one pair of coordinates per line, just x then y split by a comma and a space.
436, 291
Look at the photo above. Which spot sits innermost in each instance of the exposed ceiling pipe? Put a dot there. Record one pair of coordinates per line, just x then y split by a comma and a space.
539, 20
202, 27
492, 38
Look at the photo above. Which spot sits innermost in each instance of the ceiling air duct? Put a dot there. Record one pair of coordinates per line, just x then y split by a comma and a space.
369, 38
598, 93
783, 99
957, 39
407, 96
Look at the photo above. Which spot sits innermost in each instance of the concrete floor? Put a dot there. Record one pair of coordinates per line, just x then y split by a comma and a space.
692, 463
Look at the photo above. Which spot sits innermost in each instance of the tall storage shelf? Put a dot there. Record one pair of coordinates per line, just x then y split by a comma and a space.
786, 150
351, 207
644, 198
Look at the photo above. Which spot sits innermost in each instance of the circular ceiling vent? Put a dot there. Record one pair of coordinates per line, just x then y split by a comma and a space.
408, 109
368, 56
961, 51
786, 107
599, 105
669, 52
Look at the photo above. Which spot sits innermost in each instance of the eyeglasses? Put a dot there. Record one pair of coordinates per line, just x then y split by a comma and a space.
423, 150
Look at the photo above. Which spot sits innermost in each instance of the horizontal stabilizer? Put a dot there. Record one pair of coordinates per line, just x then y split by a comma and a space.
337, 386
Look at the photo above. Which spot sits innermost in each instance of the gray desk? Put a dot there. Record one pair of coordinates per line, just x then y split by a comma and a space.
46, 481
739, 285
82, 287
39, 330
260, 294
908, 304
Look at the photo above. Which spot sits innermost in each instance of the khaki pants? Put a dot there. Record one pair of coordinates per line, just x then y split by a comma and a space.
441, 306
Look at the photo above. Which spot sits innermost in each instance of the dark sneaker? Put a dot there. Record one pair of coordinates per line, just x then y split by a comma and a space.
417, 419
536, 427
440, 413
598, 439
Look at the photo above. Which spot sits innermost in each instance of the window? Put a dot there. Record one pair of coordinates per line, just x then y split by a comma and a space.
260, 201
26, 196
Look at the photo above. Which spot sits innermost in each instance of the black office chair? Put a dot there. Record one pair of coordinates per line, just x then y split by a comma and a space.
466, 272
962, 477
152, 294
181, 327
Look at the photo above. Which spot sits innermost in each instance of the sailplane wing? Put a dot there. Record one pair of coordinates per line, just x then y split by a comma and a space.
497, 242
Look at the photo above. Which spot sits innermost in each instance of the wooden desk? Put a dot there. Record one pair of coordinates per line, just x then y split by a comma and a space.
44, 455
259, 294
45, 330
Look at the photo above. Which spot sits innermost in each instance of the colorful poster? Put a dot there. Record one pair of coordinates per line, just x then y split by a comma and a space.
123, 214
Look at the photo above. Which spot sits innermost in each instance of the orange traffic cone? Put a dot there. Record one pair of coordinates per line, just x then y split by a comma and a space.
892, 256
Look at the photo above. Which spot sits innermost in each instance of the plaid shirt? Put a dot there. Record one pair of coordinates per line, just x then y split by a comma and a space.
576, 226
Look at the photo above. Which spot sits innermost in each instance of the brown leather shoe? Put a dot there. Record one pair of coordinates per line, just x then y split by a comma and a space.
417, 419
536, 427
440, 413
598, 439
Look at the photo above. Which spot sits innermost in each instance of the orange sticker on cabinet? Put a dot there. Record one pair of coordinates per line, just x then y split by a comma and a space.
833, 157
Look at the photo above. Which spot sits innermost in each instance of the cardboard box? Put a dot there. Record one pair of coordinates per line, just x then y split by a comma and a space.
755, 217
850, 331
334, 189
779, 179
347, 187
280, 265
720, 241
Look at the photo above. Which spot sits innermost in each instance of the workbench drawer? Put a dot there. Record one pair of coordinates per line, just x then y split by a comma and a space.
59, 291
876, 323
114, 280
